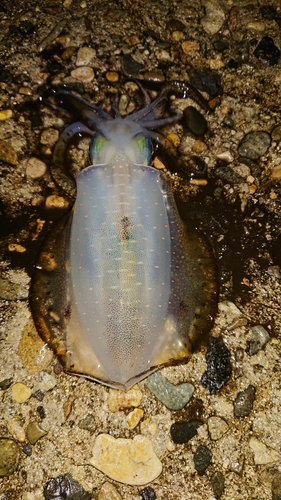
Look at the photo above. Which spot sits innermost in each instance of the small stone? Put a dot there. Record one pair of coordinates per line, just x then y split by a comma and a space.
130, 66
16, 429
217, 427
199, 146
27, 449
15, 247
132, 40
153, 76
88, 423
214, 17
5, 114
276, 133
20, 392
49, 136
174, 397
109, 492
174, 139
148, 493
218, 366
263, 454
254, 145
178, 36
181, 432
228, 121
194, 121
267, 51
225, 156
202, 459
112, 76
7, 153
83, 74
34, 353
25, 90
259, 339
9, 456
65, 488
217, 481
6, 383
54, 201
129, 461
237, 465
134, 417
85, 56
41, 412
276, 173
190, 46
227, 174
35, 168
244, 401
35, 432
47, 382
120, 399
67, 406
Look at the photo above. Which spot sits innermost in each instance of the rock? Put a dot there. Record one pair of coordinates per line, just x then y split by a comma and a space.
130, 66
54, 201
153, 77
7, 153
20, 392
237, 465
5, 114
34, 432
218, 366
217, 481
129, 461
243, 403
254, 145
85, 56
227, 174
148, 493
120, 399
189, 46
6, 383
64, 488
181, 432
206, 80
214, 18
109, 492
259, 339
35, 168
174, 397
276, 133
49, 137
263, 454
84, 74
276, 173
88, 423
9, 456
112, 76
16, 429
202, 459
267, 51
134, 417
194, 121
217, 427
34, 353
47, 382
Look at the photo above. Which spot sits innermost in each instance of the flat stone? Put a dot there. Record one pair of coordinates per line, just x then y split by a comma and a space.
129, 461
174, 397
259, 339
49, 136
83, 74
217, 427
5, 114
183, 431
109, 492
263, 454
34, 353
7, 153
9, 456
20, 392
85, 55
202, 459
254, 145
134, 417
120, 399
35, 168
244, 401
34, 432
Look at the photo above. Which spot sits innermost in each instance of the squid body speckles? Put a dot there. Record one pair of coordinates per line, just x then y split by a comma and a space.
122, 286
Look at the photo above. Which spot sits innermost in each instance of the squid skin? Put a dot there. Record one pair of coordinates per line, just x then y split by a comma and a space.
122, 286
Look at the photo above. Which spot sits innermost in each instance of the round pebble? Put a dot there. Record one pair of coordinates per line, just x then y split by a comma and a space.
244, 401
130, 66
109, 492
20, 392
254, 145
129, 461
190, 46
276, 173
34, 432
181, 432
83, 74
202, 459
217, 427
174, 397
35, 168
9, 456
259, 339
112, 76
85, 55
148, 493
227, 174
5, 114
217, 481
276, 133
194, 121
49, 136
153, 76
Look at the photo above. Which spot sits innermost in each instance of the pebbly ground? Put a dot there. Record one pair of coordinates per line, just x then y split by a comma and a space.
226, 182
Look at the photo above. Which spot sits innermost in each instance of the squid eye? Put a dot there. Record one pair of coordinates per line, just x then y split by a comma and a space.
144, 149
98, 148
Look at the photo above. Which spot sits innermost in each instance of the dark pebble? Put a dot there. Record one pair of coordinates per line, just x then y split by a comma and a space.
130, 66
242, 52
244, 401
6, 383
27, 449
54, 66
232, 64
194, 121
207, 81
218, 366
260, 338
267, 51
254, 145
152, 34
88, 423
26, 28
221, 45
148, 493
228, 122
202, 459
228, 175
65, 488
175, 25
38, 395
5, 75
181, 432
217, 480
41, 412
